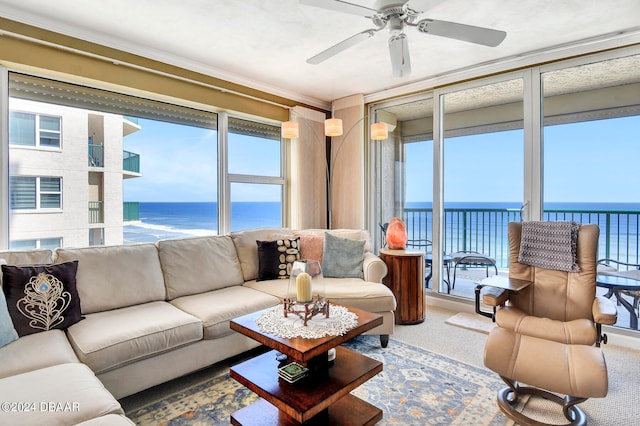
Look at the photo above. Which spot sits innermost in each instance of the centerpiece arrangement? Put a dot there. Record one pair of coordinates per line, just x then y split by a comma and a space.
305, 292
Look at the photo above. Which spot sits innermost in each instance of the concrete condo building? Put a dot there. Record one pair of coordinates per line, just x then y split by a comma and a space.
66, 170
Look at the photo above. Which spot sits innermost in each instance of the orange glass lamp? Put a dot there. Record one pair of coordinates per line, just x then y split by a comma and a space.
379, 131
396, 234
333, 127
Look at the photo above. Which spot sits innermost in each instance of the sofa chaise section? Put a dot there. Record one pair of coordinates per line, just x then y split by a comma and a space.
26, 353
63, 394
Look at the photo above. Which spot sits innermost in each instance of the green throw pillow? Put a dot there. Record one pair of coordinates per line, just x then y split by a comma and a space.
7, 331
342, 257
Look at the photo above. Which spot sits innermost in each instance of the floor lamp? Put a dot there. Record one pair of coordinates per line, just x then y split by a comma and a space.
333, 128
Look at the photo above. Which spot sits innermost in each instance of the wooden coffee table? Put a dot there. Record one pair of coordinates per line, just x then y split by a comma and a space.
324, 396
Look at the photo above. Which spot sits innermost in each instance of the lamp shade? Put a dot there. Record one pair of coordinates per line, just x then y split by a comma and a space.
333, 127
379, 131
290, 130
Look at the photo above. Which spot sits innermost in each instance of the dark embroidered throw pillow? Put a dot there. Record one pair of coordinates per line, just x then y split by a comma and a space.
41, 297
275, 258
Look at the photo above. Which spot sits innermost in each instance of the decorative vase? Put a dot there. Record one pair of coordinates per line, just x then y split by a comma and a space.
306, 282
396, 234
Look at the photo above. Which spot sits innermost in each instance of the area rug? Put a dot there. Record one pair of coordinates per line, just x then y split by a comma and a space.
474, 322
416, 387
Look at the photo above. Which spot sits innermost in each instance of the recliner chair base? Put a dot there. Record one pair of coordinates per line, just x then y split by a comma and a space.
509, 396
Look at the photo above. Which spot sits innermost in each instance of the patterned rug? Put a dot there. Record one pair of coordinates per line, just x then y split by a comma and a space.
416, 387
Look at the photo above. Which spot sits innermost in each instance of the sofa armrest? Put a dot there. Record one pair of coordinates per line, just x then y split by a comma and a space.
374, 268
604, 311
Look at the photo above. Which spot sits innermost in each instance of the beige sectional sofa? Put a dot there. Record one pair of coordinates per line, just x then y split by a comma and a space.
154, 312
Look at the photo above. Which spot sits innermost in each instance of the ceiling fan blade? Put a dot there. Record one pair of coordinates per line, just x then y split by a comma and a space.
340, 6
470, 33
399, 52
343, 45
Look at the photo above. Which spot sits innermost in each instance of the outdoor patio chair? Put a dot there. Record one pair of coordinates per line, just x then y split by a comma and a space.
548, 333
471, 259
622, 269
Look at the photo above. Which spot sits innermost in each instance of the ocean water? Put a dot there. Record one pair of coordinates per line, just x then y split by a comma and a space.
160, 221
483, 227
468, 226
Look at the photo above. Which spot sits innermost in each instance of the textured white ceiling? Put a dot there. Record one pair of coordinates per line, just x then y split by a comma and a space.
265, 43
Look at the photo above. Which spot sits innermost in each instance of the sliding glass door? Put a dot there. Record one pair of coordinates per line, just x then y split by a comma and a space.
483, 180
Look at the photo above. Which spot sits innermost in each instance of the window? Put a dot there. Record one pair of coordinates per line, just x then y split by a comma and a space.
256, 174
36, 130
154, 163
34, 193
42, 243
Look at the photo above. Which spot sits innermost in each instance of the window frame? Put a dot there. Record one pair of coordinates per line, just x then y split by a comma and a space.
38, 195
38, 132
37, 243
226, 178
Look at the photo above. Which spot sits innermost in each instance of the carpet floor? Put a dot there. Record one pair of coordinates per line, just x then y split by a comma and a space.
416, 387
443, 336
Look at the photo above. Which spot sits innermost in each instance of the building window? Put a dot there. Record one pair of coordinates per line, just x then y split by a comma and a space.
34, 130
35, 192
41, 243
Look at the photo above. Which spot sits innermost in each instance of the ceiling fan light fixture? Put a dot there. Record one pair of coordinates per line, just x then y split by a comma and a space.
333, 127
399, 52
290, 130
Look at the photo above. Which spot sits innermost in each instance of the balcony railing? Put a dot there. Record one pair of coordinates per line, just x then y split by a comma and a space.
130, 211
485, 230
96, 155
96, 212
130, 161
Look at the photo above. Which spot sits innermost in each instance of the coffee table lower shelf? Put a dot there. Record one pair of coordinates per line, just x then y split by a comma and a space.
323, 401
350, 410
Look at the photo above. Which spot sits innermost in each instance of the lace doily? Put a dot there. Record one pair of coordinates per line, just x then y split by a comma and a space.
339, 322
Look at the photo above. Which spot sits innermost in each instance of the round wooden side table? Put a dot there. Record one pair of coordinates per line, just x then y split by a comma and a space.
406, 279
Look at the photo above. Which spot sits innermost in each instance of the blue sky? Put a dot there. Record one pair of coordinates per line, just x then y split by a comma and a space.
179, 164
594, 161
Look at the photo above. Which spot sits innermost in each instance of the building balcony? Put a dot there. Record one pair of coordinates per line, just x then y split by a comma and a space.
130, 164
130, 211
96, 212
96, 155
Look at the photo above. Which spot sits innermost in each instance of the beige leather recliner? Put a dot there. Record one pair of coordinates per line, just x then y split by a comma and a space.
548, 335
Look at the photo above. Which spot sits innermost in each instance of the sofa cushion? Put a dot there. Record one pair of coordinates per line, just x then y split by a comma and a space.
216, 308
354, 234
247, 249
26, 353
116, 276
342, 257
275, 258
8, 332
65, 394
41, 297
372, 297
109, 339
311, 247
197, 265
25, 257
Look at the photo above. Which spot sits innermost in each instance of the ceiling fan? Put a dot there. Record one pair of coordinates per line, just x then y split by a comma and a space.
394, 15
